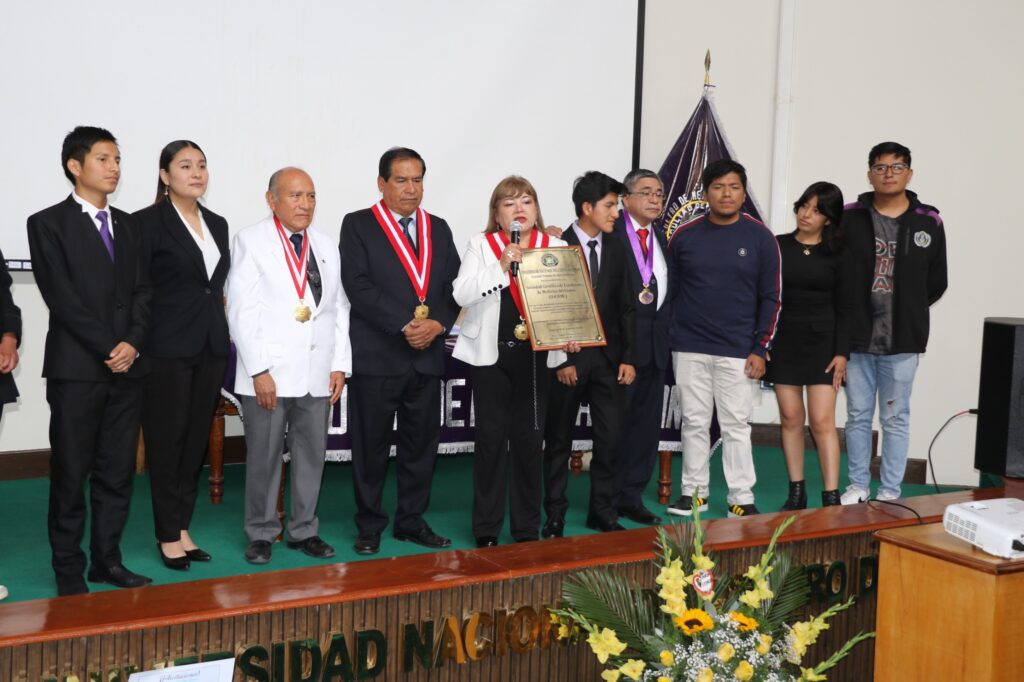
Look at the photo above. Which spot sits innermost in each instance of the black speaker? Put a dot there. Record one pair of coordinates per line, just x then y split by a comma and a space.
999, 444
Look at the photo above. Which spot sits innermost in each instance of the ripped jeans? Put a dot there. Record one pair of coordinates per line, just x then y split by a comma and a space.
890, 378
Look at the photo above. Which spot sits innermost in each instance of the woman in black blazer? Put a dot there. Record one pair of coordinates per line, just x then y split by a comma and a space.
187, 248
813, 339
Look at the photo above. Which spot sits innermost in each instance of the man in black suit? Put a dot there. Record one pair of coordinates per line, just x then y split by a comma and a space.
642, 204
87, 262
600, 373
10, 339
398, 263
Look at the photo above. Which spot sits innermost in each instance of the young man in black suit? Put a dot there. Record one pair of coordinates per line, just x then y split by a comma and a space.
87, 262
648, 268
600, 373
398, 263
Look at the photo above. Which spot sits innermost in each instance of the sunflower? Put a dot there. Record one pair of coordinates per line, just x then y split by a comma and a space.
745, 623
693, 621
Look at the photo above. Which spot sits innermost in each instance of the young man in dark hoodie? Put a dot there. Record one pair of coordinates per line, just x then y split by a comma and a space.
899, 248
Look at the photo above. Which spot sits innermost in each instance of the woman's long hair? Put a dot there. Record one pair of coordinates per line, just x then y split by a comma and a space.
830, 205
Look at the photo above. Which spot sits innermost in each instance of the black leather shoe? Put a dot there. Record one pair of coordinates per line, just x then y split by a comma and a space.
604, 525
487, 541
313, 546
176, 563
554, 528
197, 555
367, 544
640, 514
424, 536
69, 588
258, 552
797, 498
117, 575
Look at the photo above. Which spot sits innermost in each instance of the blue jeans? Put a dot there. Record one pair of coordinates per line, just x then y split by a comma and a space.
890, 378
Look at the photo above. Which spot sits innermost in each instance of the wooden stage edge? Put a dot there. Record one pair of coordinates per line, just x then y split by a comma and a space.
104, 613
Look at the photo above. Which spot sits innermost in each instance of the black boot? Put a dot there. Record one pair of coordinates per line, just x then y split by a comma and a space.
830, 498
797, 497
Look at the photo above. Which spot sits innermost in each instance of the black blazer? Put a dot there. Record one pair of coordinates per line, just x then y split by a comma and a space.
652, 323
383, 299
614, 302
94, 304
10, 323
188, 307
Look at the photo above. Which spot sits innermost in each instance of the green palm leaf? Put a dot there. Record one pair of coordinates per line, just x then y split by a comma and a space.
789, 583
615, 602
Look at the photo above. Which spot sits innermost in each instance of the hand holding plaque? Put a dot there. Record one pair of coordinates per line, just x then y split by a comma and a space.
558, 300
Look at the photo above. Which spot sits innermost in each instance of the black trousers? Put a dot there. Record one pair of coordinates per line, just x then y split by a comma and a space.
641, 431
375, 400
180, 396
510, 403
94, 429
597, 379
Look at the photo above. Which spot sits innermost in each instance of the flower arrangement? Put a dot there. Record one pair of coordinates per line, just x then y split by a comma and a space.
700, 626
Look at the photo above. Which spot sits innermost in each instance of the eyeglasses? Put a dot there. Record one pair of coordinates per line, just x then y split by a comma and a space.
883, 168
648, 194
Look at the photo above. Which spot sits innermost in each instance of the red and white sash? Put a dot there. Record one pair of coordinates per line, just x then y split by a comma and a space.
417, 268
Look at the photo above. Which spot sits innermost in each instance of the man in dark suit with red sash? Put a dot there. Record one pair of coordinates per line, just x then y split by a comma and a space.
398, 265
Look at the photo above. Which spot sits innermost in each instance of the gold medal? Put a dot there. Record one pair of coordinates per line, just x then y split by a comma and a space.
646, 296
303, 312
421, 312
520, 332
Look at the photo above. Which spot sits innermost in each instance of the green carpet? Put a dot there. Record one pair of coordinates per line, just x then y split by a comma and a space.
25, 552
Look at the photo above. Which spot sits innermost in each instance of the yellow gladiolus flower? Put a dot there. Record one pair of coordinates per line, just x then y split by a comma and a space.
662, 678
554, 618
705, 675
693, 621
809, 675
744, 671
563, 632
605, 644
726, 652
633, 668
764, 645
667, 659
745, 622
611, 675
702, 563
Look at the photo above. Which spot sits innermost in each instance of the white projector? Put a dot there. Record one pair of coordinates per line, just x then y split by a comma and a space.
994, 526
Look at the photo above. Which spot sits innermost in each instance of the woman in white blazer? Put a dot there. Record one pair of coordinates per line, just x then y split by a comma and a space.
510, 381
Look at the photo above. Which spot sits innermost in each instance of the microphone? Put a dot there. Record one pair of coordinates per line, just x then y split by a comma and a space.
513, 230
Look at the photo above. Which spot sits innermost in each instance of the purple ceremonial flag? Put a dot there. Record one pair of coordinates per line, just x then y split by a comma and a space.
701, 142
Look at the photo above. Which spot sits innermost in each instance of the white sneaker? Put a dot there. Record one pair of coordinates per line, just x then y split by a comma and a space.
854, 494
886, 496
3, 592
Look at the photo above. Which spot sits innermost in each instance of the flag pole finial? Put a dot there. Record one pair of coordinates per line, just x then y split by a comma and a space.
707, 68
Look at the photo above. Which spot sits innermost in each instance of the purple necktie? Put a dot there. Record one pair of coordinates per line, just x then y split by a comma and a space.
108, 239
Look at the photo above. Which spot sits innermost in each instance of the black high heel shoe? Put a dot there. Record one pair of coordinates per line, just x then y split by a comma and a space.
197, 554
177, 563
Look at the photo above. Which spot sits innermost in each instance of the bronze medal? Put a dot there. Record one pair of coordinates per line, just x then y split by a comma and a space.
421, 312
520, 332
303, 312
646, 296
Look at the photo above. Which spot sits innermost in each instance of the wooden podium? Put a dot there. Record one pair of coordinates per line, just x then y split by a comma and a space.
946, 610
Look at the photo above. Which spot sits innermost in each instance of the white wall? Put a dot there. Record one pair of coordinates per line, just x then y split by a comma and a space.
941, 77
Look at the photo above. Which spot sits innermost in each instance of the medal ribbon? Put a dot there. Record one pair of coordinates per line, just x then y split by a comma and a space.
644, 264
296, 265
498, 241
417, 268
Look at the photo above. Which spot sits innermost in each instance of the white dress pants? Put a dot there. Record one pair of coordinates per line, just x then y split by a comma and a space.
706, 381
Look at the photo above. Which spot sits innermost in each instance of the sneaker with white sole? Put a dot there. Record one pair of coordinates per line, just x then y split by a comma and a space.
3, 592
886, 496
737, 511
854, 494
684, 505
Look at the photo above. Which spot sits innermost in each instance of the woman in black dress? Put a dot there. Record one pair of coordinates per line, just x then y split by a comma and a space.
813, 340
